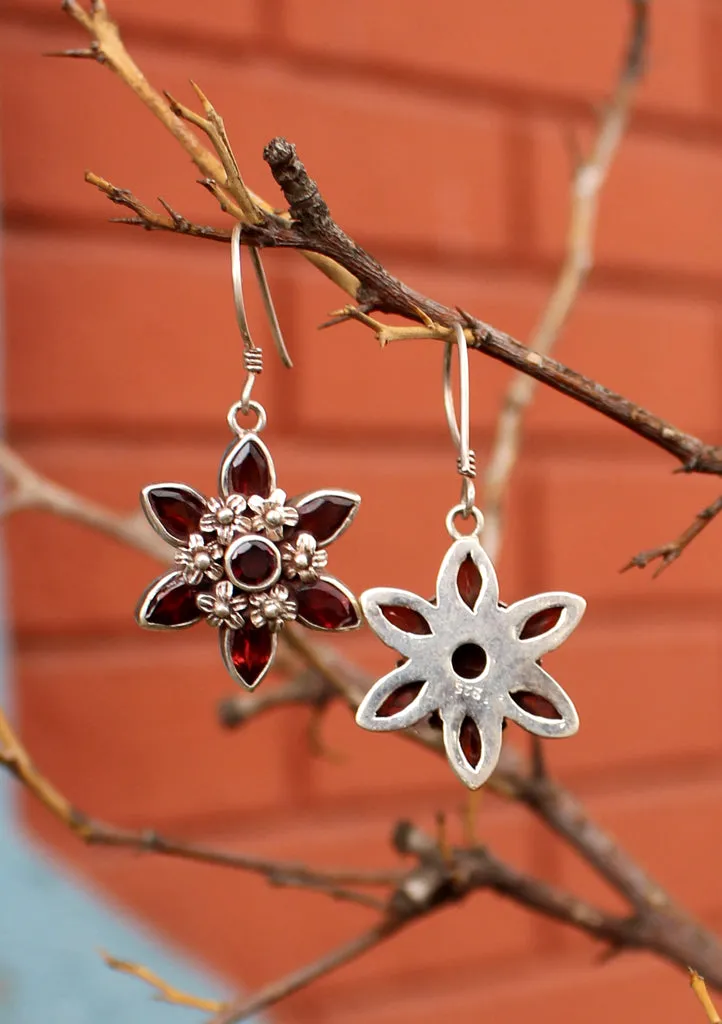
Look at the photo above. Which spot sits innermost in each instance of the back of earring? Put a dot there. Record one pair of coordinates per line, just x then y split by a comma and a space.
248, 560
466, 655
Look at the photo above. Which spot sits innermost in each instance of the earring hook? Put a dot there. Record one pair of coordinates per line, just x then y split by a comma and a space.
466, 461
252, 354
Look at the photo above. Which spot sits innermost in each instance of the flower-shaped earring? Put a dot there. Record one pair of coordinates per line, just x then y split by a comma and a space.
249, 560
467, 656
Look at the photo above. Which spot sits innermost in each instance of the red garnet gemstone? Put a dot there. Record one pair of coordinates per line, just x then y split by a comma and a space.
253, 562
399, 699
470, 741
179, 510
251, 650
468, 661
324, 515
542, 622
406, 619
174, 605
249, 471
468, 581
325, 606
535, 705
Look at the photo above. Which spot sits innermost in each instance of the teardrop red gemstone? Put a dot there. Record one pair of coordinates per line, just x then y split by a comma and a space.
542, 622
535, 704
406, 619
174, 605
250, 652
399, 699
249, 471
468, 581
178, 510
253, 561
324, 515
470, 741
325, 606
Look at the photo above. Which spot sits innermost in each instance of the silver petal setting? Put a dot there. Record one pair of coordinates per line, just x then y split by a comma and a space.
471, 659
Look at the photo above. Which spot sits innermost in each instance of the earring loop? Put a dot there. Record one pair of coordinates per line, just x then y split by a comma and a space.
252, 354
466, 462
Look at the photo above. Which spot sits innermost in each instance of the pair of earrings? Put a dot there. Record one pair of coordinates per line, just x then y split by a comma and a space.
250, 560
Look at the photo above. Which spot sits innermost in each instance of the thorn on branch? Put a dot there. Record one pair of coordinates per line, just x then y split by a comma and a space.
247, 209
92, 52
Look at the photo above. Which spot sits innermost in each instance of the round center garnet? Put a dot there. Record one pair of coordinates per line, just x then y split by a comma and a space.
253, 563
468, 661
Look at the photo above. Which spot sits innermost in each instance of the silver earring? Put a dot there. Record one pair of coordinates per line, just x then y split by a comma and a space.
467, 657
249, 560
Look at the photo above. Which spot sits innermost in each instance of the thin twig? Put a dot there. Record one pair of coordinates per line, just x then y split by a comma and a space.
587, 183
150, 219
670, 552
164, 992
213, 126
313, 228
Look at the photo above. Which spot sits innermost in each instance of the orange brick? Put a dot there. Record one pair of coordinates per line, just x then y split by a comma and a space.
286, 928
357, 144
656, 210
185, 19
627, 989
129, 332
131, 735
90, 583
624, 679
557, 46
598, 513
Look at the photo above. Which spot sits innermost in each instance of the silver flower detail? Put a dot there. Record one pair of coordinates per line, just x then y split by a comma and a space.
199, 559
225, 517
471, 659
221, 607
303, 559
272, 514
272, 608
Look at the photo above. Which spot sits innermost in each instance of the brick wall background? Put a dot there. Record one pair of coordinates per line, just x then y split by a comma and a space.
437, 134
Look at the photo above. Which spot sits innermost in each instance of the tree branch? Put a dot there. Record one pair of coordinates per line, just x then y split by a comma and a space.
554, 805
314, 229
151, 220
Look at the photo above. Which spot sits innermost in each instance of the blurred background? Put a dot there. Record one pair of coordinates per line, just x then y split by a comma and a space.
440, 136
